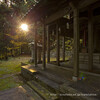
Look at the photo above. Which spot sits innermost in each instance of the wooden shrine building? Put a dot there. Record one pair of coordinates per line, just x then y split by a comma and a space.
78, 19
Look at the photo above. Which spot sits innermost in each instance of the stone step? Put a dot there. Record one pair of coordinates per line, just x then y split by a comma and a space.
27, 72
31, 93
43, 92
47, 83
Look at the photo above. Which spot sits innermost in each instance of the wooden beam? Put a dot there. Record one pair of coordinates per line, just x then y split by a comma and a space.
94, 6
64, 47
32, 53
76, 43
58, 46
39, 54
85, 3
57, 15
48, 45
35, 45
44, 46
96, 19
90, 38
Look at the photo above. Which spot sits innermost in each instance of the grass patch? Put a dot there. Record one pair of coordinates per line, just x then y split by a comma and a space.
13, 65
8, 83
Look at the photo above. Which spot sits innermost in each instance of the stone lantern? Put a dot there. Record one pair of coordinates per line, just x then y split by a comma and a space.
32, 51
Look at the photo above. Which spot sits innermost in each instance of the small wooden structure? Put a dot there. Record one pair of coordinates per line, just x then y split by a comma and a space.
83, 18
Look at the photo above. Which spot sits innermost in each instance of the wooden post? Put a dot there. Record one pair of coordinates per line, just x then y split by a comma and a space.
64, 47
58, 47
44, 47
35, 45
76, 44
32, 53
39, 54
90, 38
48, 45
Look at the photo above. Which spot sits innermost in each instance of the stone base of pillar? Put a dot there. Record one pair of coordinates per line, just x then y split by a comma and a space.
75, 79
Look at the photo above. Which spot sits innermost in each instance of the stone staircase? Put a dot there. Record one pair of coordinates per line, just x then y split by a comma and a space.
31, 93
45, 87
41, 90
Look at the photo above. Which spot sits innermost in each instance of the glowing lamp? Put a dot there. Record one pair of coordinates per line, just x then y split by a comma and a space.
24, 27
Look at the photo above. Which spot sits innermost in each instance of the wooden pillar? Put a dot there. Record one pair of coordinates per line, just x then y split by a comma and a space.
58, 47
48, 45
76, 44
44, 47
64, 47
90, 38
32, 53
35, 45
95, 36
39, 54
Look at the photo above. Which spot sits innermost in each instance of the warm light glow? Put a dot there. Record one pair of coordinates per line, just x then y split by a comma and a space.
24, 27
1, 0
